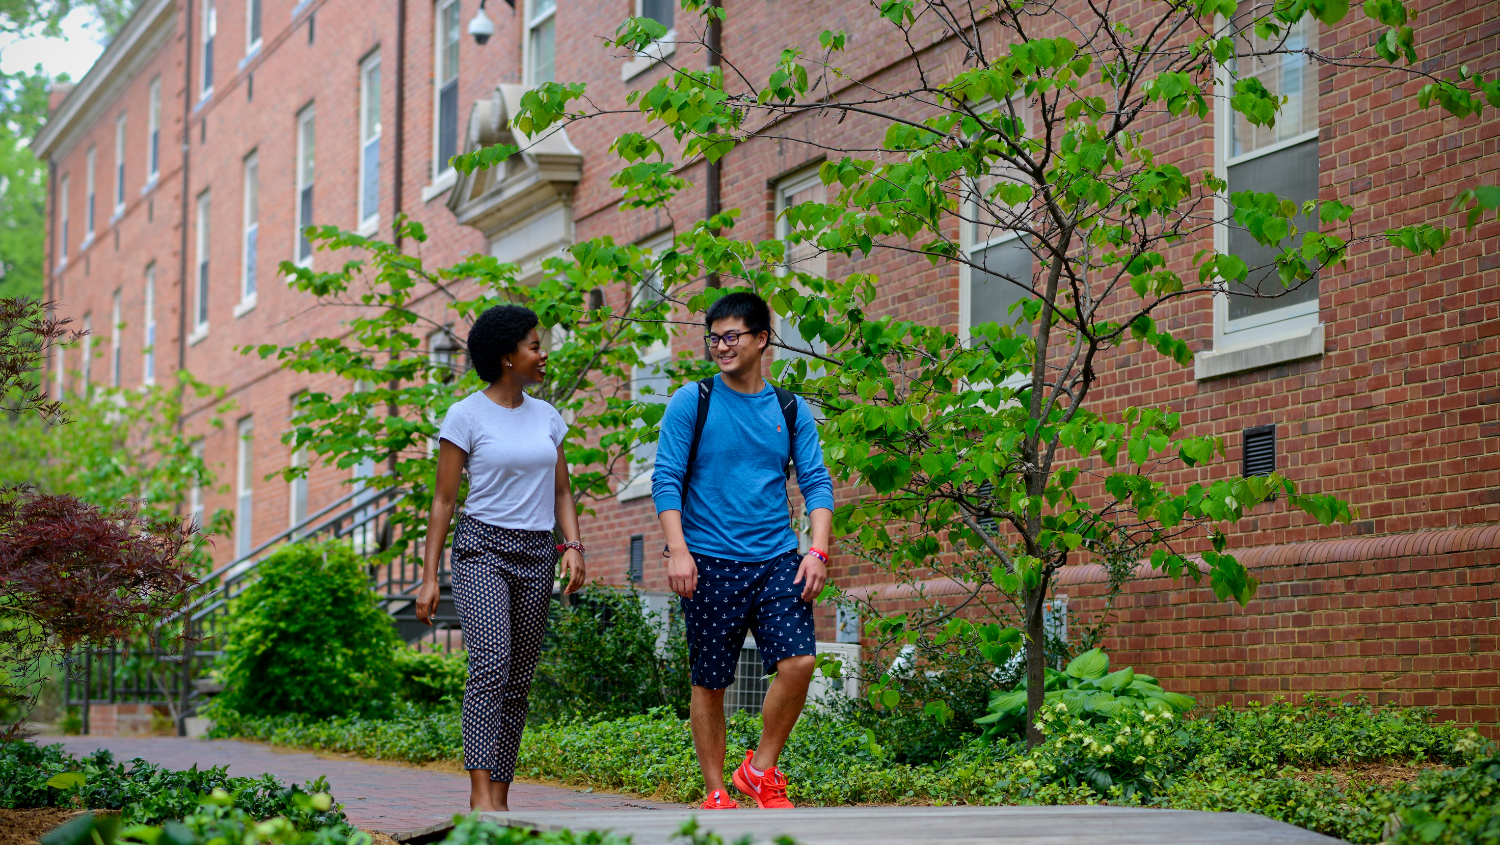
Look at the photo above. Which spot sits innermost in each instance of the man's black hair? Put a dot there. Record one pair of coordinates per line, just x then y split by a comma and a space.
497, 333
751, 309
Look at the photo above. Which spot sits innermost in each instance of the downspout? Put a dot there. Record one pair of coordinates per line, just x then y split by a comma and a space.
399, 174
188, 652
712, 177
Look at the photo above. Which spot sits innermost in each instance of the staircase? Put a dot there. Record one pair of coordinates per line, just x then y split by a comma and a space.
171, 672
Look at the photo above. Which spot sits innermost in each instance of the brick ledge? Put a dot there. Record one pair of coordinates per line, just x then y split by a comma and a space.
1342, 550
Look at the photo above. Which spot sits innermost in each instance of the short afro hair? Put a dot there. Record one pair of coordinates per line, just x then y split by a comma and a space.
748, 307
497, 333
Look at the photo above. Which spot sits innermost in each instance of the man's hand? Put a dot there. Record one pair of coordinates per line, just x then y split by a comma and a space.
682, 573
572, 569
813, 574
427, 601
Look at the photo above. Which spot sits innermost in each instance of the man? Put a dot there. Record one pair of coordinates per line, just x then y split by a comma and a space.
732, 554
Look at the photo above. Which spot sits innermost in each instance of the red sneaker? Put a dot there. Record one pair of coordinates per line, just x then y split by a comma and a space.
768, 790
719, 801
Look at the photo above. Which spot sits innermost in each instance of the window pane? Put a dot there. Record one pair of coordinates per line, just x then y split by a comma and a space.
990, 294
252, 249
542, 8
1293, 76
542, 46
661, 11
304, 215
255, 21
1291, 174
449, 43
447, 124
308, 143
370, 190
371, 123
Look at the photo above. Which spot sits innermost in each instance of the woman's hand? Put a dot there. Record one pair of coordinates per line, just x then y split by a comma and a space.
428, 596
572, 569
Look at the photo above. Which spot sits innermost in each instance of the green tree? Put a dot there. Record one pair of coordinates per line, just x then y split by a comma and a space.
989, 461
23, 184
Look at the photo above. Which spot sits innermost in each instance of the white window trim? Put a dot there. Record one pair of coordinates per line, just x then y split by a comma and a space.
244, 486
153, 127
86, 360
253, 46
119, 210
65, 215
248, 297
1276, 337
442, 171
200, 246
116, 317
90, 197
532, 23
148, 330
369, 220
785, 187
308, 113
209, 13
656, 52
639, 485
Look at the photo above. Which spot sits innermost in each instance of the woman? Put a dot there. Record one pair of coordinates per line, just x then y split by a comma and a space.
503, 551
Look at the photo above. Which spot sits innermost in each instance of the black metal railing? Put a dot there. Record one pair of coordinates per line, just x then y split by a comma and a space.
172, 669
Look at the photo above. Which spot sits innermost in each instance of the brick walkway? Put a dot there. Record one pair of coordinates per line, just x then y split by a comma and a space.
396, 800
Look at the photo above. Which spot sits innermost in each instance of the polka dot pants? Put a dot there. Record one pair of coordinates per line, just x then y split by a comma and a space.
502, 586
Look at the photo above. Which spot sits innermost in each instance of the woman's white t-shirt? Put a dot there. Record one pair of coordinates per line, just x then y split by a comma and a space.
512, 459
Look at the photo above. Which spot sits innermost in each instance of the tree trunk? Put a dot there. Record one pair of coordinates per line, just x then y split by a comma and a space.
1036, 661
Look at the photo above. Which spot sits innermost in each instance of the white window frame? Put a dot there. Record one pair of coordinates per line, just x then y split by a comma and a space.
153, 138
148, 330
62, 201
786, 187
119, 166
657, 51
254, 13
244, 478
195, 492
307, 131
969, 245
210, 30
639, 484
534, 21
90, 183
443, 174
250, 236
369, 206
114, 339
87, 363
203, 221
297, 487
1277, 336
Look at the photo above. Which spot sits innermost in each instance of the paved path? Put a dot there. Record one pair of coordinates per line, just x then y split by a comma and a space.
940, 826
396, 800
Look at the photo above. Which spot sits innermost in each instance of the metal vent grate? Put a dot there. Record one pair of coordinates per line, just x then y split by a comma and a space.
1260, 450
637, 558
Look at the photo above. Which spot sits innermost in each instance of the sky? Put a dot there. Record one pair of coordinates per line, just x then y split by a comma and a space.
73, 54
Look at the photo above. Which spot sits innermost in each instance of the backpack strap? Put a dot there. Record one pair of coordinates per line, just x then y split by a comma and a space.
788, 402
705, 393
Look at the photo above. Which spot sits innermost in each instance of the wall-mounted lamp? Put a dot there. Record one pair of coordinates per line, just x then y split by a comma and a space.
481, 27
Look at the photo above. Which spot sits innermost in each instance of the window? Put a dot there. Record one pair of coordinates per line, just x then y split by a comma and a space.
119, 165
1283, 160
114, 341
210, 29
1001, 266
369, 138
252, 26
200, 309
153, 151
637, 571
445, 61
88, 208
802, 257
61, 371
195, 493
148, 324
306, 135
62, 199
363, 527
244, 516
647, 381
298, 486
663, 12
87, 362
251, 245
541, 41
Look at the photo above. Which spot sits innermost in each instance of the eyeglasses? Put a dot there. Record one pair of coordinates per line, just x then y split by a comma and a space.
729, 338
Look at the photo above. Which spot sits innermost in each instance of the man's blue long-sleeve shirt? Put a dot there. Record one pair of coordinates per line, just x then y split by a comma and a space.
736, 503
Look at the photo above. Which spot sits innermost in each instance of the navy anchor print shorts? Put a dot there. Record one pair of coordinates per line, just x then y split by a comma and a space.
733, 597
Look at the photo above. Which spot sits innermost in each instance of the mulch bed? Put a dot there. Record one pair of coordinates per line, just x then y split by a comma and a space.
24, 827
1369, 774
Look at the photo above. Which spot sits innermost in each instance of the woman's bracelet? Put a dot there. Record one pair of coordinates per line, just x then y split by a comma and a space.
571, 544
819, 554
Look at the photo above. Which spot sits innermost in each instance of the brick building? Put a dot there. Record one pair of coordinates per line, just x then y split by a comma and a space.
183, 165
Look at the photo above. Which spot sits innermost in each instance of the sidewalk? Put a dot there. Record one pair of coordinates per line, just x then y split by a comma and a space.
395, 800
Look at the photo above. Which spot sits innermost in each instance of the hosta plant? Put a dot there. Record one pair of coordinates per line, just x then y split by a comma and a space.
1088, 691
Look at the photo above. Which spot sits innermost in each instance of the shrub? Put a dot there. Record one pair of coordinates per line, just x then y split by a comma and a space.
1456, 807
143, 793
308, 637
1089, 691
432, 676
602, 660
409, 733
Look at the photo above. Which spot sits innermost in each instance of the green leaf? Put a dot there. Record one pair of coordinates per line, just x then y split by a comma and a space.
1091, 665
67, 780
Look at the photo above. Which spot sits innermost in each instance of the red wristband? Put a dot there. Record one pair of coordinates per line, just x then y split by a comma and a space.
818, 553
